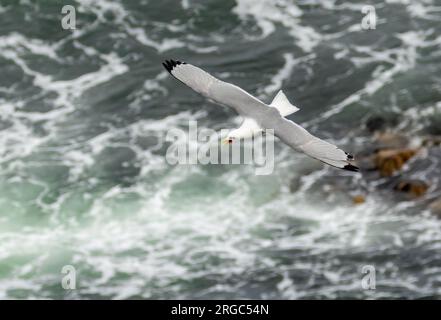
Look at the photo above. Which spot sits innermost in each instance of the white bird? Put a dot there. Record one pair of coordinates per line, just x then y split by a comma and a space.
259, 116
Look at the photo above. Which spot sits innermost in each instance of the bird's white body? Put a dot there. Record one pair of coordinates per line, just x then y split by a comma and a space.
247, 130
259, 116
250, 127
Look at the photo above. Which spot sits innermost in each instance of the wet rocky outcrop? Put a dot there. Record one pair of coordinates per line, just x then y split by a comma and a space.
400, 168
388, 161
412, 188
396, 167
358, 199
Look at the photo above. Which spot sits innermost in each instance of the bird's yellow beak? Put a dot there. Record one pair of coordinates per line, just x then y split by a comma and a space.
227, 141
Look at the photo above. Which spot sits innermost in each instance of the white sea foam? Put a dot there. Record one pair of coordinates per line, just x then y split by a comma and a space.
402, 59
20, 139
166, 237
285, 72
268, 14
192, 231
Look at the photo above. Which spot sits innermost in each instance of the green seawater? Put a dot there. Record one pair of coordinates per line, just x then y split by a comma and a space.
84, 180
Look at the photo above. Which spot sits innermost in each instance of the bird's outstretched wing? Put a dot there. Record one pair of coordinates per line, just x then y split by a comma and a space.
265, 116
301, 140
221, 92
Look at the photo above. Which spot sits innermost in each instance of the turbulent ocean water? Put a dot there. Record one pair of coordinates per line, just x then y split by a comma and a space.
83, 175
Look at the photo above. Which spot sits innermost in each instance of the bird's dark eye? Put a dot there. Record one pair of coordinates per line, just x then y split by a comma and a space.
230, 140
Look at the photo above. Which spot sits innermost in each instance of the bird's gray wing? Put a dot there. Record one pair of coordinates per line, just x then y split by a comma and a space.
266, 116
301, 140
219, 91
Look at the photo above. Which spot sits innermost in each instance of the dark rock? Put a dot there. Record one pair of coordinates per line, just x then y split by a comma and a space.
390, 160
358, 199
434, 128
376, 123
432, 141
413, 188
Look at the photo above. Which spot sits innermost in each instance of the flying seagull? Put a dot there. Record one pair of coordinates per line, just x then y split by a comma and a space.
259, 116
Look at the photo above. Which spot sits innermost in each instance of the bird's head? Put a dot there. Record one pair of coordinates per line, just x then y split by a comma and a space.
229, 139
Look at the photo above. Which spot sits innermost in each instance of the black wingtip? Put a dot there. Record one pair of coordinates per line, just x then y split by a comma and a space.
350, 156
169, 65
166, 67
350, 167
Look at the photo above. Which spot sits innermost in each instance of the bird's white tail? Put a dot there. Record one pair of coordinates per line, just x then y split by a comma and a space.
281, 103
